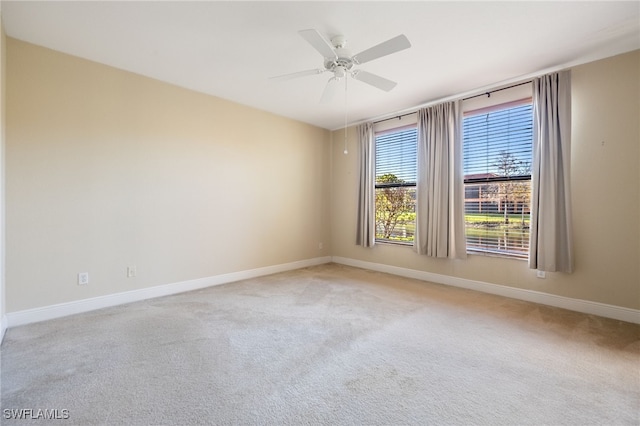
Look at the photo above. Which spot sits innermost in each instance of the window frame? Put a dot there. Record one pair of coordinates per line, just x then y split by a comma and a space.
488, 251
377, 186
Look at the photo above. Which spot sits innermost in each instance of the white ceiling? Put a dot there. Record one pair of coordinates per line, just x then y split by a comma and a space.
230, 49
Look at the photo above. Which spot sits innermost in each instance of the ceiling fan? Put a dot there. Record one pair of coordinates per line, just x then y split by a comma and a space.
339, 61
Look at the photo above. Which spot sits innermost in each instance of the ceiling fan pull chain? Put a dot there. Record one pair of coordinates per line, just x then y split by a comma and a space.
346, 151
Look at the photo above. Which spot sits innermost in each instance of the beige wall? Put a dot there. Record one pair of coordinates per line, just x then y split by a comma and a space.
2, 169
106, 169
606, 198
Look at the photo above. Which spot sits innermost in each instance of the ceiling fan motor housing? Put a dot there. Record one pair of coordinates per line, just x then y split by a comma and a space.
339, 66
343, 63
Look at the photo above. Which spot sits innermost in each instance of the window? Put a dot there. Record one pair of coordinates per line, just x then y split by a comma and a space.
497, 180
396, 164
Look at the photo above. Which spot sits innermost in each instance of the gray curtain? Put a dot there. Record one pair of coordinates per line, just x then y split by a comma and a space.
550, 246
439, 188
366, 233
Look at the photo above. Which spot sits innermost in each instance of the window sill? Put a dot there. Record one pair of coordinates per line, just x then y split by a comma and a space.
395, 243
469, 252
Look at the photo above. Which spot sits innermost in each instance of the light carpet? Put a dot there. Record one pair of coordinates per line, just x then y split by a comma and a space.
330, 345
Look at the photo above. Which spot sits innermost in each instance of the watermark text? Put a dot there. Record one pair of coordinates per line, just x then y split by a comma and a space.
35, 414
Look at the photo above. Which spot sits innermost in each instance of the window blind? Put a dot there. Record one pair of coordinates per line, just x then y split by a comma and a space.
488, 136
397, 154
497, 174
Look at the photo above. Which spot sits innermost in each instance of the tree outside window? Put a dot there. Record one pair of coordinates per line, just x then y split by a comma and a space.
395, 208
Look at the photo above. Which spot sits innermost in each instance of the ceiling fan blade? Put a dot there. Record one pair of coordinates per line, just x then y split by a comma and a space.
374, 80
297, 74
388, 47
319, 43
329, 90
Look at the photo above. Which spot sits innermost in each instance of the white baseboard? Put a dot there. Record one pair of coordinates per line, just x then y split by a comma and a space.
14, 319
578, 305
3, 327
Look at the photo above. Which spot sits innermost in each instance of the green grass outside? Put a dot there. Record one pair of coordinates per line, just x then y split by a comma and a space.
482, 226
512, 234
495, 218
490, 226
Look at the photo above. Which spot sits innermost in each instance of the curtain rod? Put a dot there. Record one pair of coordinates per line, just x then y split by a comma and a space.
520, 80
488, 94
395, 117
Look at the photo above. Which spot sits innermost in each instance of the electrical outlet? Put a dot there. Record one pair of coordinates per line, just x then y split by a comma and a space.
320, 246
83, 278
541, 274
131, 271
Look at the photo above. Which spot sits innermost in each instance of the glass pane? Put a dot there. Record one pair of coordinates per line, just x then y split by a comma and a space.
497, 217
498, 143
396, 213
396, 164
